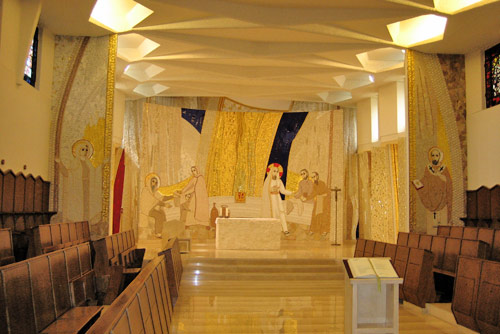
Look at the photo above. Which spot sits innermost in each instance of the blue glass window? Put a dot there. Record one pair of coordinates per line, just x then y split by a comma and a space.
31, 61
492, 75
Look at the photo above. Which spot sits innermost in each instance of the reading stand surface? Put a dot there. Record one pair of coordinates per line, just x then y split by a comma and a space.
371, 304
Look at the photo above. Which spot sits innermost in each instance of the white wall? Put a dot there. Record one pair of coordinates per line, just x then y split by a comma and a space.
363, 124
387, 111
483, 128
24, 110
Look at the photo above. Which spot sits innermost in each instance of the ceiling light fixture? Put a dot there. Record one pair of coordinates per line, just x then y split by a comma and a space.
118, 15
418, 30
455, 6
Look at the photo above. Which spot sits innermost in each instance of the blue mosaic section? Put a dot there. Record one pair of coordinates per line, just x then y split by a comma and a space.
288, 128
194, 117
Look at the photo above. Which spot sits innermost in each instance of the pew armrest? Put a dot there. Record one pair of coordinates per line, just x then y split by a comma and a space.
7, 260
74, 320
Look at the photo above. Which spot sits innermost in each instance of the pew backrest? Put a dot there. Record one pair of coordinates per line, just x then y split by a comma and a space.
34, 292
369, 247
6, 247
174, 268
50, 237
360, 248
115, 249
143, 307
379, 249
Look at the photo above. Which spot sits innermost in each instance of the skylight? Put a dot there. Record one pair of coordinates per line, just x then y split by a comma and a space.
455, 6
118, 15
418, 30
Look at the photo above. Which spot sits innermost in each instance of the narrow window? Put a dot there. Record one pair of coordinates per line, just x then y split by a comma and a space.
492, 75
31, 61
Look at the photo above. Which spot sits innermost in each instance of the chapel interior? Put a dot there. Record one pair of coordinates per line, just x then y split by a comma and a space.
208, 166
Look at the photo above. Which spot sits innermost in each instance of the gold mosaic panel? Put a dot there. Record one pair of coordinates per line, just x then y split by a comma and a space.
239, 151
381, 202
403, 184
79, 101
364, 185
434, 122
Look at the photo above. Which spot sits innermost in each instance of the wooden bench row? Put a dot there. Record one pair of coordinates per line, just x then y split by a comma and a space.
50, 237
6, 247
483, 207
43, 293
24, 201
24, 204
174, 268
412, 264
446, 250
145, 306
488, 235
476, 297
117, 262
117, 249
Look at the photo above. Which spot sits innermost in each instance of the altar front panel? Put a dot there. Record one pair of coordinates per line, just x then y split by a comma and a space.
248, 233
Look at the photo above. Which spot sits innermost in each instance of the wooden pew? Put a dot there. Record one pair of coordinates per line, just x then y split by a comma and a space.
487, 236
488, 298
400, 265
117, 262
483, 207
465, 292
457, 232
470, 233
403, 238
413, 240
425, 242
6, 247
443, 230
37, 294
50, 237
390, 251
456, 247
369, 247
477, 295
174, 268
495, 248
143, 307
379, 249
418, 285
24, 204
360, 248
437, 248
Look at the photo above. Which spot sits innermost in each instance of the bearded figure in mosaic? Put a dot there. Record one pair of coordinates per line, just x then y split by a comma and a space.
435, 188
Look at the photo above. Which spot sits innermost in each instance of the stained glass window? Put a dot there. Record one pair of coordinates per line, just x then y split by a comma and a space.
492, 75
31, 61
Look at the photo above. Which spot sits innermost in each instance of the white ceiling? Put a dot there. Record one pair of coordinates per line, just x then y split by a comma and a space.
314, 50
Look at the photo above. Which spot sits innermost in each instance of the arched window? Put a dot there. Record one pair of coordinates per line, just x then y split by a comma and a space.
31, 61
492, 75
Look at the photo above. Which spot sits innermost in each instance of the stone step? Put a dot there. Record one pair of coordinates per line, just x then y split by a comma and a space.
214, 276
198, 261
259, 326
209, 268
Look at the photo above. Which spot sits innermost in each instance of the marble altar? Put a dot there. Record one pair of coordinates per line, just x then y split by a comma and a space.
248, 233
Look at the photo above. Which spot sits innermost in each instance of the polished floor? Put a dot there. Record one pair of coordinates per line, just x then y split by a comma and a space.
298, 289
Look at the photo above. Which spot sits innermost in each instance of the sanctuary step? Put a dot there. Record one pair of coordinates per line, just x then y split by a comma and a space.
260, 296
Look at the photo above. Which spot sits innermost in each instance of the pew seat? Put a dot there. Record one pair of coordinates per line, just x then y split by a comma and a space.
74, 321
117, 262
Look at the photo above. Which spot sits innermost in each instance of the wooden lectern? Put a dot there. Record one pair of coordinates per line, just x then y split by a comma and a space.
371, 304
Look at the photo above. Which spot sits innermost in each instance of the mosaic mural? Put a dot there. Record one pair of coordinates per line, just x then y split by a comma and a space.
437, 150
258, 163
81, 129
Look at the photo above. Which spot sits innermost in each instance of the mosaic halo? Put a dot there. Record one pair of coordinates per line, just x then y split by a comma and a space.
77, 144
